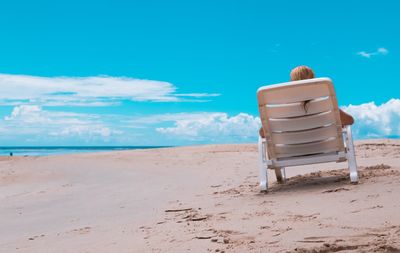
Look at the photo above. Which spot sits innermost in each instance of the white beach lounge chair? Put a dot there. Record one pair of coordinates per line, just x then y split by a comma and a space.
301, 123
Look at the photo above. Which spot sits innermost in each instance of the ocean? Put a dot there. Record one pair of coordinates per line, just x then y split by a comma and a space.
45, 151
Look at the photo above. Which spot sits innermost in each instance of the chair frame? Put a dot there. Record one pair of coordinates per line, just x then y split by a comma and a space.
279, 166
342, 154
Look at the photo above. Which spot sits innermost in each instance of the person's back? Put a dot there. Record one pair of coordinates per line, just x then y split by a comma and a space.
304, 72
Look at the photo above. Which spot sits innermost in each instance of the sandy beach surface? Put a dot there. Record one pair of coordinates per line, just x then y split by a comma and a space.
198, 199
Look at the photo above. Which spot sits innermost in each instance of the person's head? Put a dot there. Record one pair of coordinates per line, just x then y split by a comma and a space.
301, 73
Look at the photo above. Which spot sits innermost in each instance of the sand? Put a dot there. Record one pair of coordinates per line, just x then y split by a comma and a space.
198, 199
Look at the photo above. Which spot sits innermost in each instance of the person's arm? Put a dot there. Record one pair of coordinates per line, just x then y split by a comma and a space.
345, 118
261, 132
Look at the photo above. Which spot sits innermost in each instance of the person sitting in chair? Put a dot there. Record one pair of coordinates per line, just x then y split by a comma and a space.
302, 73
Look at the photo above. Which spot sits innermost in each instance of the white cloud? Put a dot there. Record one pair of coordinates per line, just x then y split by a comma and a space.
383, 51
379, 51
87, 91
84, 129
371, 121
32, 121
211, 127
197, 95
376, 121
365, 54
33, 124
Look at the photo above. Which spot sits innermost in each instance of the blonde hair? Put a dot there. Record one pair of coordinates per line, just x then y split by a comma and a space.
301, 73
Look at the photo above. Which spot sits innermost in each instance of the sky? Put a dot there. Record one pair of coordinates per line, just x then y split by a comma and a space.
186, 72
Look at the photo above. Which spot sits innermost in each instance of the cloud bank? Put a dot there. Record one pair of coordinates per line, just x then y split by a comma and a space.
371, 121
212, 127
376, 121
379, 51
88, 91
33, 125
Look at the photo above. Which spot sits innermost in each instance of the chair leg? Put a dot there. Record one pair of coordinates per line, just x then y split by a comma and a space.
280, 175
351, 157
263, 165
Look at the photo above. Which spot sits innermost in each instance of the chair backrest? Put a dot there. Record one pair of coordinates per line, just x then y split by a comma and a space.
300, 118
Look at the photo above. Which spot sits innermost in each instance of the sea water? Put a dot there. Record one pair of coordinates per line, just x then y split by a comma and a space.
45, 151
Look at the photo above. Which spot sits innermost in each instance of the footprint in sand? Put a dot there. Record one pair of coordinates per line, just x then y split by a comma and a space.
146, 230
373, 240
187, 215
35, 237
336, 190
369, 208
81, 231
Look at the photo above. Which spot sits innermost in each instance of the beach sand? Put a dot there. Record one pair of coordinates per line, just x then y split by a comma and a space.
198, 199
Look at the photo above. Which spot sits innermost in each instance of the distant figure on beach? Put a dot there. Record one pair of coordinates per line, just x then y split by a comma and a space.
11, 154
302, 73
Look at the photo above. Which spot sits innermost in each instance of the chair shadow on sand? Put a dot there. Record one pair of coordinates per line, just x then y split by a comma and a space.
329, 181
313, 181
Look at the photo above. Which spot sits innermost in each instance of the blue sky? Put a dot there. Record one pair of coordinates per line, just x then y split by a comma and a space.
85, 72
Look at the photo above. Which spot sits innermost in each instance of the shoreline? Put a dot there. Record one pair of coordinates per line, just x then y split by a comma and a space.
111, 149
